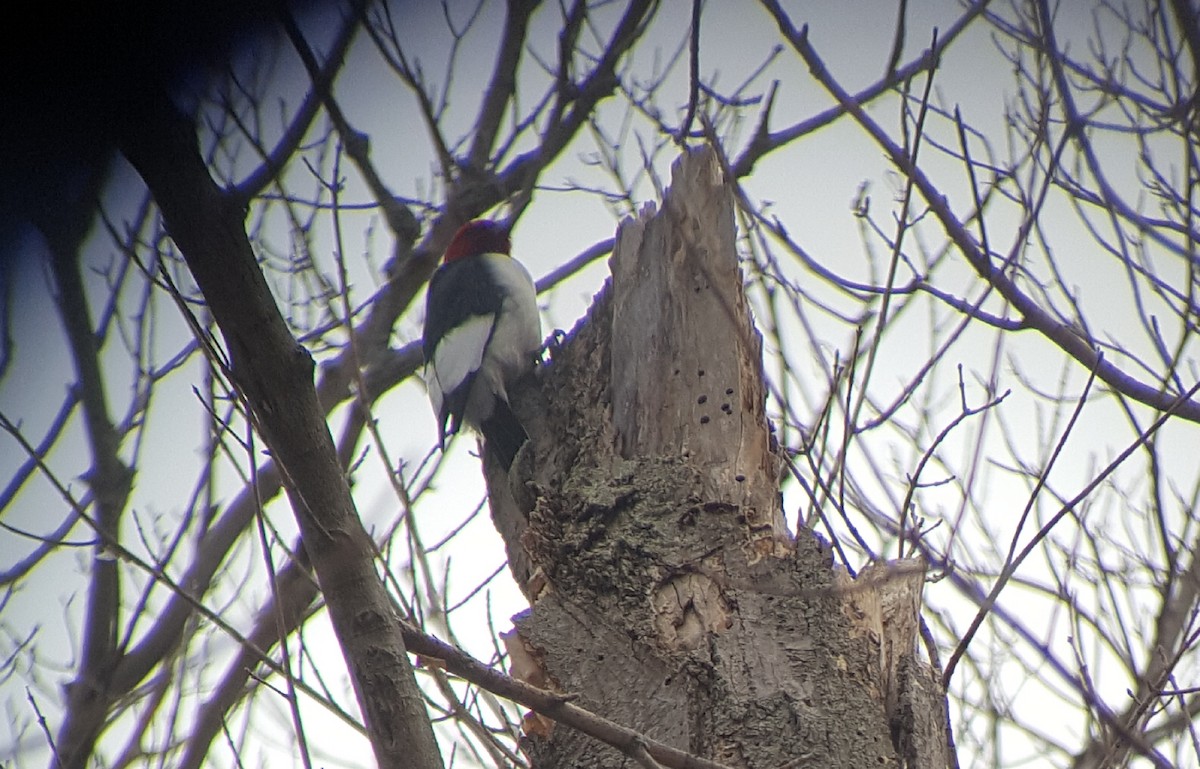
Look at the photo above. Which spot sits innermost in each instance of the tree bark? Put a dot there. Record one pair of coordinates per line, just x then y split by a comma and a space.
644, 523
275, 375
88, 697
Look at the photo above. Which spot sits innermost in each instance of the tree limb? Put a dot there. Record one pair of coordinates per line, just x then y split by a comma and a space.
1060, 334
273, 373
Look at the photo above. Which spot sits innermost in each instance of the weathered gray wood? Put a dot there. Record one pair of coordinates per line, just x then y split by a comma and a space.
686, 361
644, 523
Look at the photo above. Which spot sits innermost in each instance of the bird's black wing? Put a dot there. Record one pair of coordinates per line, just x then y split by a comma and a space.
458, 291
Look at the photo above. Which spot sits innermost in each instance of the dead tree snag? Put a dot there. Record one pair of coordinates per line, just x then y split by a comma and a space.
644, 523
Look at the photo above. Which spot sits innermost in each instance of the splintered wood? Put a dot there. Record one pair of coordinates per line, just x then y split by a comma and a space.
884, 603
686, 358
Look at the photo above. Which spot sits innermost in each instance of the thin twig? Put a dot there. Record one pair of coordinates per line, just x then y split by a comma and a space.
693, 76
41, 719
1065, 510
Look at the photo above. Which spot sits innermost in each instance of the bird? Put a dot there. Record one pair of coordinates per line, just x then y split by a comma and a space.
482, 333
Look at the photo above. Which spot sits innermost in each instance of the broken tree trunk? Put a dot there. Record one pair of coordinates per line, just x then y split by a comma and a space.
644, 524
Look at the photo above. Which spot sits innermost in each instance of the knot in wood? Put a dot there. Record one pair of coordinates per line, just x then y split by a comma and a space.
688, 607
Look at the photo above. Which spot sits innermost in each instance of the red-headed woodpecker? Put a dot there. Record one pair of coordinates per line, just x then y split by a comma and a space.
482, 332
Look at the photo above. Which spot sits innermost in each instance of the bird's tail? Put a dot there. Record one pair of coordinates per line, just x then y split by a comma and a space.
503, 433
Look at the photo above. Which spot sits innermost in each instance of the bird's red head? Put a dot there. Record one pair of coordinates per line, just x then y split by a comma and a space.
482, 236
